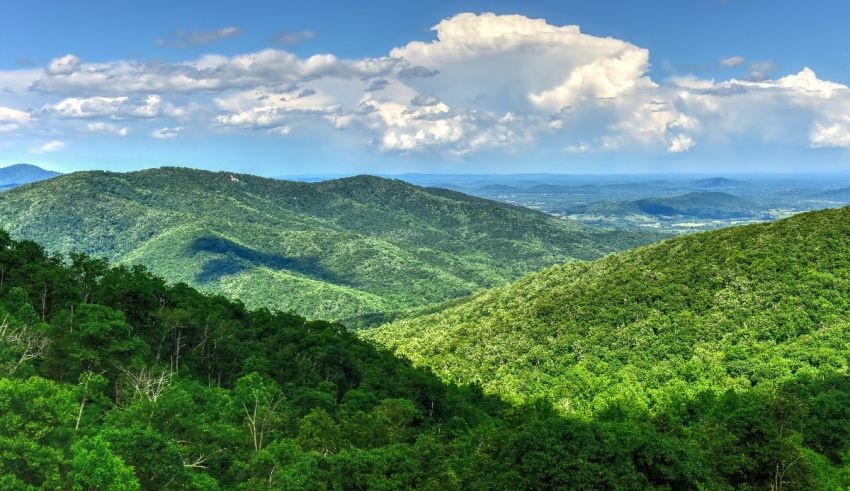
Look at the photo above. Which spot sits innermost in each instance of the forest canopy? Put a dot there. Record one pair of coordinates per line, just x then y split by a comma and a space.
110, 378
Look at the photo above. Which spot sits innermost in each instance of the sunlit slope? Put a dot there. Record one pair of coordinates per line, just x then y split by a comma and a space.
731, 309
339, 249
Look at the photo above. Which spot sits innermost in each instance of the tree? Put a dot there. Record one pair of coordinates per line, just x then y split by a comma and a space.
35, 430
95, 467
259, 401
317, 431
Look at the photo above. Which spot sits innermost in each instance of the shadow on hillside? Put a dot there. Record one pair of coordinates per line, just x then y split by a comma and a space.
236, 258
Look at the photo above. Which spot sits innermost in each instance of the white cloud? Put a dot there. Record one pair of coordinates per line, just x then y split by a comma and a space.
114, 107
107, 129
63, 66
51, 146
732, 61
7, 114
833, 135
12, 119
209, 73
681, 143
167, 133
484, 82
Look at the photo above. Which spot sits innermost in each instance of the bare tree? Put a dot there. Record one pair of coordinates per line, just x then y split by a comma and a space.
201, 461
148, 384
25, 340
779, 475
260, 417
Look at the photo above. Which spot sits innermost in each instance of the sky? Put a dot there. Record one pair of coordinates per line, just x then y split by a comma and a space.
283, 88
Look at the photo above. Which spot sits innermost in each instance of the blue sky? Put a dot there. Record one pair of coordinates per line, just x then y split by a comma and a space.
337, 87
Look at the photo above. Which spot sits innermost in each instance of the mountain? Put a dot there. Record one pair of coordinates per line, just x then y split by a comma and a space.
757, 308
718, 183
700, 204
112, 379
357, 248
17, 174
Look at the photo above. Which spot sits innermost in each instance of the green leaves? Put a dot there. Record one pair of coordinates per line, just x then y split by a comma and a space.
95, 467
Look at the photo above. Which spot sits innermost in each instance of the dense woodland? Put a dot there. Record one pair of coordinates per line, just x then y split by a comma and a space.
751, 319
111, 379
358, 249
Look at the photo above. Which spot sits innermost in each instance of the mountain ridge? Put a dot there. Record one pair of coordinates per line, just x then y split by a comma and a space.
708, 302
389, 244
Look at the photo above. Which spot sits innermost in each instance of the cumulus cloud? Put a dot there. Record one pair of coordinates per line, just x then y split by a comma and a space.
833, 135
107, 129
51, 146
183, 39
114, 107
12, 119
681, 143
167, 133
210, 73
9, 115
64, 65
732, 61
484, 82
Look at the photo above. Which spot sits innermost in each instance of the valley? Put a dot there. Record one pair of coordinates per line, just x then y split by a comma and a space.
438, 246
669, 203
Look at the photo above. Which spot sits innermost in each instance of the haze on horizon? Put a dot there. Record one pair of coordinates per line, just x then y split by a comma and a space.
711, 87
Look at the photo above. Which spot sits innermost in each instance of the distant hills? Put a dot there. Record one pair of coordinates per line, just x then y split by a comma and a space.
704, 204
719, 183
356, 249
17, 174
700, 204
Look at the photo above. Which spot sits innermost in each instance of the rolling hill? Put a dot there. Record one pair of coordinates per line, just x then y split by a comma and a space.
699, 204
719, 183
17, 174
355, 248
112, 379
747, 308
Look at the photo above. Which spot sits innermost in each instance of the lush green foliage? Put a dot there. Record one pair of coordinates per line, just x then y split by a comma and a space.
751, 322
342, 249
110, 379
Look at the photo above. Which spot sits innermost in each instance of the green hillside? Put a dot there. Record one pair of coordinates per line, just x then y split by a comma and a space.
341, 249
746, 309
112, 379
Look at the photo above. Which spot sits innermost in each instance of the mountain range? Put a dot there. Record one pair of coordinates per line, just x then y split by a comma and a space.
715, 360
356, 249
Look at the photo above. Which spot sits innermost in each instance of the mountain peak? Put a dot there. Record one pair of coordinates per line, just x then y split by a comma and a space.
17, 174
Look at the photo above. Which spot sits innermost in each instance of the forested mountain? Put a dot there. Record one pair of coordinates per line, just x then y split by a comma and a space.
754, 313
17, 174
700, 204
339, 249
110, 379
